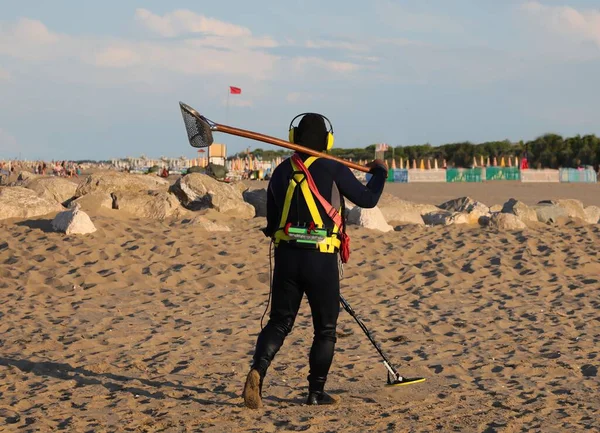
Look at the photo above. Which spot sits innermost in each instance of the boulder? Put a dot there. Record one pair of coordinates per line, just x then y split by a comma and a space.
369, 218
109, 182
402, 211
521, 210
465, 204
258, 199
73, 222
496, 208
592, 214
54, 188
506, 221
574, 208
551, 214
93, 201
446, 218
206, 224
198, 191
19, 202
26, 175
467, 211
240, 186
158, 205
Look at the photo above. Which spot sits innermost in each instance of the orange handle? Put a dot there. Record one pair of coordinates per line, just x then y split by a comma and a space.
278, 142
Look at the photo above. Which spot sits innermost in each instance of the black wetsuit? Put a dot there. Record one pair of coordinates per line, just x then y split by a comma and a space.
300, 270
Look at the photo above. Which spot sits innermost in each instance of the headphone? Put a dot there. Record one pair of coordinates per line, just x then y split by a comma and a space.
292, 132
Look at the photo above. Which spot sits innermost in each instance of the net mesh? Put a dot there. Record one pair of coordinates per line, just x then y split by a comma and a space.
198, 129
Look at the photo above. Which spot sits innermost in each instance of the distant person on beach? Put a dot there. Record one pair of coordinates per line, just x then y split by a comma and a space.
312, 267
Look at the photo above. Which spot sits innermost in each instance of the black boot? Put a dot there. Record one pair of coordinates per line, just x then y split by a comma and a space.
321, 398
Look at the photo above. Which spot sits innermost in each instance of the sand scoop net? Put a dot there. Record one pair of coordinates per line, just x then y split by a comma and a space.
199, 130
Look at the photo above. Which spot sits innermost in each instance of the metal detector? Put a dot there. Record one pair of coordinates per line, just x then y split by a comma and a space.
393, 377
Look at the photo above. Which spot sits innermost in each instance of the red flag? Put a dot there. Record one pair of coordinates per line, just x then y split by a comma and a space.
235, 90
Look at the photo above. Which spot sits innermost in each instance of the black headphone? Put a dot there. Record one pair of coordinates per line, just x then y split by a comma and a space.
292, 132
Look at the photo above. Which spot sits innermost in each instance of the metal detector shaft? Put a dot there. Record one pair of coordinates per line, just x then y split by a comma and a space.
278, 142
386, 361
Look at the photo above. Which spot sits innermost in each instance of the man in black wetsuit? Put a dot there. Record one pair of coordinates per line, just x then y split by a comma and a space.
304, 267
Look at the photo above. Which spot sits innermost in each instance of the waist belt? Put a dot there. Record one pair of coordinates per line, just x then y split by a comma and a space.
316, 239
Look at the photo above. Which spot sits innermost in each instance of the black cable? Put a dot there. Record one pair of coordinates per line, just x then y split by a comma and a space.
270, 283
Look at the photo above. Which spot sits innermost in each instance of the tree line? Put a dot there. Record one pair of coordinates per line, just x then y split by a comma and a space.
547, 151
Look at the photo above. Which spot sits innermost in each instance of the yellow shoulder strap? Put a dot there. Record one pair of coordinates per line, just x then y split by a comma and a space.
298, 179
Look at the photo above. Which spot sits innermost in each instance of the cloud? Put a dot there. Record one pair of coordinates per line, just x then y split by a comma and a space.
583, 25
340, 45
301, 63
183, 21
117, 57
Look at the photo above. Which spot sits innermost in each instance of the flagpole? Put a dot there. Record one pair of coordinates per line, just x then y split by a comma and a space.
227, 113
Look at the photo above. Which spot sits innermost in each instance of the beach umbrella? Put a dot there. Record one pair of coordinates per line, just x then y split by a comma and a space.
444, 165
428, 164
481, 161
435, 164
422, 166
488, 162
502, 162
414, 164
401, 163
509, 161
495, 162
474, 161
393, 164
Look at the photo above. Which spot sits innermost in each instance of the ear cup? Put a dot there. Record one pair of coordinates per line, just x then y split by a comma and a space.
329, 141
291, 135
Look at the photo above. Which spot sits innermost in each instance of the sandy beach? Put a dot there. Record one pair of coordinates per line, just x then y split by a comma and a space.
149, 326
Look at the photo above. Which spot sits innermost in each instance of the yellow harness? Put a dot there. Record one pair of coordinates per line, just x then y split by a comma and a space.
330, 244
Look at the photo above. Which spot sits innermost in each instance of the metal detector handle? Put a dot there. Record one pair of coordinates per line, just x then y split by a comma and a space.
386, 361
278, 142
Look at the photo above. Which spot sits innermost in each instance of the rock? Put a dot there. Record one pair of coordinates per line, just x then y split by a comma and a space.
403, 212
467, 211
198, 191
206, 224
93, 201
19, 202
574, 208
157, 205
446, 218
592, 214
506, 221
521, 210
496, 208
369, 218
240, 186
439, 217
465, 204
258, 199
551, 214
54, 188
26, 175
73, 222
109, 182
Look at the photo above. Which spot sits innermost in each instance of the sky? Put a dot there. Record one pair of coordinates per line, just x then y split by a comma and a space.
101, 80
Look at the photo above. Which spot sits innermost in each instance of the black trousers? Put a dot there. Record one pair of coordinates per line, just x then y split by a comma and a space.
298, 271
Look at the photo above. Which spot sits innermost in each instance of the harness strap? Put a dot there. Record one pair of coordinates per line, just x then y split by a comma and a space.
329, 209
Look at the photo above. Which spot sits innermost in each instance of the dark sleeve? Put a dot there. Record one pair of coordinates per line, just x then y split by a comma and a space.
359, 194
272, 212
